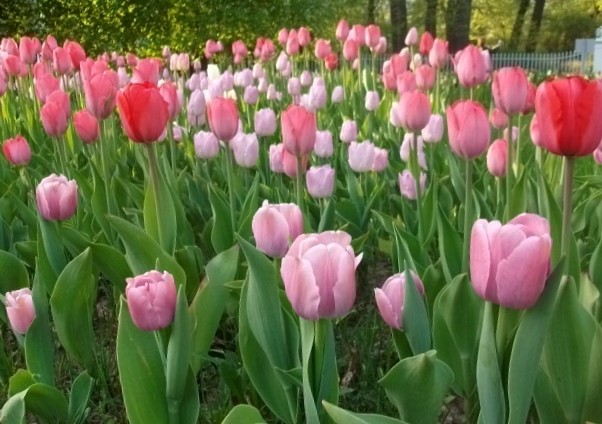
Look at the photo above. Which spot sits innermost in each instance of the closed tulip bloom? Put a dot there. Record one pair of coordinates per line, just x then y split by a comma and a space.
320, 181
498, 119
407, 185
275, 227
410, 141
299, 130
338, 94
17, 151
243, 78
342, 30
348, 131
147, 70
20, 309
361, 156
322, 48
62, 99
86, 126
196, 108
324, 147
568, 111
251, 95
9, 45
101, 94
61, 61
319, 275
206, 145
471, 66
468, 129
304, 36
514, 134
381, 47
123, 78
246, 149
394, 115
412, 37
76, 51
13, 65
294, 86
350, 50
272, 94
438, 53
381, 159
372, 101
510, 88
426, 43
390, 298
27, 50
265, 122
359, 34
509, 263
151, 299
283, 36
183, 62
372, 35
425, 77
292, 44
530, 101
317, 94
414, 110
54, 119
496, 158
405, 82
275, 153
331, 61
433, 132
222, 114
262, 85
56, 198
258, 72
169, 93
143, 112
282, 61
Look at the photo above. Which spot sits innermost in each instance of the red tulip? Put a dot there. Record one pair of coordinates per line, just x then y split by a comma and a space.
298, 130
143, 112
426, 43
223, 118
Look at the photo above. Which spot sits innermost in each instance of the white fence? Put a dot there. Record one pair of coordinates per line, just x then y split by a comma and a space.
552, 63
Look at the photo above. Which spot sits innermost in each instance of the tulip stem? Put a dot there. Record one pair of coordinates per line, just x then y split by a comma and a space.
517, 142
467, 215
300, 182
229, 176
402, 346
415, 171
567, 206
154, 176
509, 168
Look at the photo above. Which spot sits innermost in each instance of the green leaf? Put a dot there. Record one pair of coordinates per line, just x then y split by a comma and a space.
14, 273
222, 237
342, 416
81, 389
111, 263
20, 381
595, 267
243, 414
450, 247
415, 319
42, 400
52, 246
141, 372
72, 304
328, 215
517, 203
13, 411
417, 386
307, 343
160, 220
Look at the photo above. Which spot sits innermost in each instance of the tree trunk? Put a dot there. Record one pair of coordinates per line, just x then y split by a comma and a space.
399, 23
519, 22
536, 18
371, 11
430, 19
457, 23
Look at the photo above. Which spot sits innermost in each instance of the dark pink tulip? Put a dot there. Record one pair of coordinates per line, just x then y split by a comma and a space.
342, 30
275, 227
48, 47
76, 51
510, 88
56, 198
471, 66
530, 101
496, 158
468, 129
359, 34
151, 299
20, 309
509, 263
283, 36
319, 275
54, 119
414, 110
426, 43
350, 50
331, 61
45, 85
61, 61
61, 98
299, 130
86, 126
131, 59
17, 151
169, 93
425, 77
101, 94
147, 70
289, 164
222, 114
9, 45
405, 82
13, 65
292, 44
239, 48
27, 50
498, 119
390, 298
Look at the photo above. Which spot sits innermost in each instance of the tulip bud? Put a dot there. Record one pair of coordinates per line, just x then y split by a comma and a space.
324, 147
372, 36
598, 156
361, 156
514, 134
338, 95
372, 101
407, 184
223, 118
468, 129
20, 310
322, 49
425, 77
426, 43
86, 126
438, 53
342, 30
496, 158
381, 159
275, 154
283, 36
498, 119
246, 149
265, 122
56, 198
348, 131
289, 164
299, 130
206, 145
136, 103
251, 95
54, 119
412, 37
275, 227
390, 299
151, 299
471, 66
411, 142
17, 151
433, 132
414, 110
510, 88
350, 50
320, 181
306, 78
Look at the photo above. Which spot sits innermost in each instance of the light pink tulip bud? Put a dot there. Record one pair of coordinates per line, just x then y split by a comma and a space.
359, 32
361, 156
48, 47
322, 48
425, 77
294, 86
227, 80
196, 108
433, 132
306, 78
390, 299
498, 119
598, 156
206, 145
324, 147
381, 159
258, 71
372, 36
412, 37
262, 85
20, 309
173, 61
350, 50
183, 62
319, 275
438, 53
281, 62
496, 158
510, 88
151, 299
283, 36
272, 94
338, 95
471, 66
86, 126
265, 122
166, 52
414, 110
243, 78
292, 44
372, 101
251, 95
468, 129
276, 226
394, 115
514, 133
320, 181
348, 131
407, 185
17, 151
305, 101
342, 30
56, 198
410, 142
246, 149
298, 130
509, 263
178, 132
276, 165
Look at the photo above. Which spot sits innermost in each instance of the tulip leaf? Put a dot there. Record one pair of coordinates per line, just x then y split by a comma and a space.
14, 273
42, 400
342, 416
222, 237
98, 203
595, 267
20, 381
248, 209
429, 212
13, 411
450, 247
429, 378
243, 414
415, 318
51, 247
517, 203
527, 348
111, 263
81, 389
355, 192
72, 303
307, 343
141, 372
328, 215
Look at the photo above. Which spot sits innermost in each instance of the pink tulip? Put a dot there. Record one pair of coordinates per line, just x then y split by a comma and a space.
324, 147
496, 158
196, 108
407, 185
101, 93
409, 143
239, 48
425, 77
317, 94
304, 37
292, 44
17, 151
265, 122
147, 70
381, 159
530, 100
61, 61
534, 131
56, 198
54, 119
338, 95
246, 149
27, 50
331, 61
433, 132
414, 110
298, 130
86, 126
498, 119
251, 95
348, 131
283, 36
468, 129
276, 155
390, 298
13, 66
514, 134
372, 101
76, 51
405, 82
275, 227
412, 37
9, 45
322, 48
62, 99
289, 164
510, 88
48, 47
509, 263
151, 299
597, 156
372, 36
206, 145
123, 78
381, 47
45, 85
438, 53
222, 114
342, 30
319, 275
320, 181
361, 156
169, 93
359, 34
471, 66
20, 309
350, 50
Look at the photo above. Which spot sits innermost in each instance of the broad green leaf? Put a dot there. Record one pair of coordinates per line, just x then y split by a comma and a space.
111, 263
342, 416
81, 389
42, 400
517, 203
13, 411
19, 381
307, 344
450, 247
160, 218
415, 318
14, 273
141, 372
328, 215
222, 237
243, 414
595, 267
53, 246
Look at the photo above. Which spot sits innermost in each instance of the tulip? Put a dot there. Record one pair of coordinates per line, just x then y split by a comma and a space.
281, 62
324, 147
433, 132
372, 36
304, 36
361, 156
289, 164
143, 112
322, 48
262, 85
468, 129
123, 78
151, 299
319, 275
54, 119
276, 152
471, 66
17, 151
317, 94
348, 131
275, 227
509, 263
320, 181
243, 78
265, 122
510, 88
292, 44
246, 149
381, 159
272, 94
390, 298
86, 126
381, 47
283, 36
61, 61
9, 45
27, 50
405, 82
61, 99
222, 114
426, 43
20, 309
101, 94
331, 61
598, 156
147, 70
498, 119
496, 158
298, 130
183, 62
342, 30
338, 95
350, 50
534, 132
407, 184
372, 101
13, 65
425, 77
294, 86
530, 100
76, 51
56, 197
412, 37
359, 34
251, 95
414, 110
196, 108
206, 145
169, 93
438, 53
568, 111
408, 144
514, 134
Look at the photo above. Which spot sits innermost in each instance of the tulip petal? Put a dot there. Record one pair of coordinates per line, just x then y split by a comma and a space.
386, 309
480, 257
300, 286
344, 288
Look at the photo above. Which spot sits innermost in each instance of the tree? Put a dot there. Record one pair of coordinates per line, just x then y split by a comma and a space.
457, 23
430, 17
399, 23
519, 22
536, 18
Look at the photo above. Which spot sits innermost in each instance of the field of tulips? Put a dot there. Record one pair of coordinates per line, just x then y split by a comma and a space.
317, 232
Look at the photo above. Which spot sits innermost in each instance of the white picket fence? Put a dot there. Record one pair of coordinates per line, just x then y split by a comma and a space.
550, 63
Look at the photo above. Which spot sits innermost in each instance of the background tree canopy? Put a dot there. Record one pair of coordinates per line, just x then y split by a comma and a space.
144, 27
